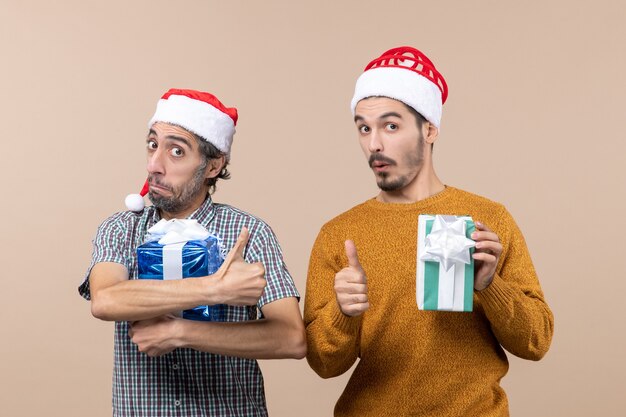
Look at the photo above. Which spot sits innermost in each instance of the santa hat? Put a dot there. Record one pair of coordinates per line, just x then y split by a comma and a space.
195, 111
407, 75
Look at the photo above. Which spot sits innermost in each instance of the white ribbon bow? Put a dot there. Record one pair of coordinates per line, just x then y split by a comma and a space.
168, 232
446, 243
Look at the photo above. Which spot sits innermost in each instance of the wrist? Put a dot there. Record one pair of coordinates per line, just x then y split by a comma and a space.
210, 288
178, 333
483, 284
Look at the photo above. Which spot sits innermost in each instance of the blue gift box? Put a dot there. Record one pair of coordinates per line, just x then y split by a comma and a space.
199, 258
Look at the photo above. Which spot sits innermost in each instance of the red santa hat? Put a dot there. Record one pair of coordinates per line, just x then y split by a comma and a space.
407, 75
198, 112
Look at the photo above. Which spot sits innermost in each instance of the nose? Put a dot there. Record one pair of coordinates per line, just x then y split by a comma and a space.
375, 144
155, 162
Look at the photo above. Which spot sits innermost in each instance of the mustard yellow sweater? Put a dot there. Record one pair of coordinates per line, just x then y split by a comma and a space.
412, 362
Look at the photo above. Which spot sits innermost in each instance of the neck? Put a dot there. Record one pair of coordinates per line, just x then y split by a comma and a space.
424, 185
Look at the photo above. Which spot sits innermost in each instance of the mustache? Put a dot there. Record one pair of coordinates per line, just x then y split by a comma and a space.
154, 180
377, 157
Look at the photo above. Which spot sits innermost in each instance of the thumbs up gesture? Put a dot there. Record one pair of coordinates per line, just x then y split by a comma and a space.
240, 283
351, 285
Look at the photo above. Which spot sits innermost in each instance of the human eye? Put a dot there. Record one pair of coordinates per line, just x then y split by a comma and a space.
151, 144
391, 126
363, 129
177, 152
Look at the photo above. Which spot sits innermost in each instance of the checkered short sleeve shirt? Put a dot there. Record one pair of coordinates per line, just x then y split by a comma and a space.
186, 382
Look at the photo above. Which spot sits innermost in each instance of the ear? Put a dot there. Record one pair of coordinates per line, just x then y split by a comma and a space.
430, 132
214, 166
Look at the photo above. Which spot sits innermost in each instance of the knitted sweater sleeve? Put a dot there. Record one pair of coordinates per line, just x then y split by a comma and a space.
514, 303
332, 337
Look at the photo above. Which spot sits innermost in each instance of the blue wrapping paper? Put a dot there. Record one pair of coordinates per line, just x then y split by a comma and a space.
199, 258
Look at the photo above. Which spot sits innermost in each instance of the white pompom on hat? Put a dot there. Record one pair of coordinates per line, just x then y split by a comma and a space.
198, 112
134, 202
407, 75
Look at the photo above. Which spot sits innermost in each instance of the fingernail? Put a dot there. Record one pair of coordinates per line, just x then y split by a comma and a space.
474, 235
478, 223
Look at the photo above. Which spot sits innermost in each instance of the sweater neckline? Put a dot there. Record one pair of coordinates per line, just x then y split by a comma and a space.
418, 205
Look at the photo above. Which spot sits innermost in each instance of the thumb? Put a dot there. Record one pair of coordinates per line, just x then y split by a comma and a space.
236, 253
353, 257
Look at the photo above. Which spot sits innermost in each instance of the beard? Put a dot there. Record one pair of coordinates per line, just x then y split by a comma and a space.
183, 196
413, 161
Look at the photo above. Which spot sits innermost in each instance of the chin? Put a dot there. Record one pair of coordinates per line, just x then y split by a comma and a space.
389, 185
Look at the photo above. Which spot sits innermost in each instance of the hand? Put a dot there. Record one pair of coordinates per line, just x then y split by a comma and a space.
488, 251
240, 283
155, 337
351, 285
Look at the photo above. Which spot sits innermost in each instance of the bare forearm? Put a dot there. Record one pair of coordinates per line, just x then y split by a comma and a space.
143, 299
258, 339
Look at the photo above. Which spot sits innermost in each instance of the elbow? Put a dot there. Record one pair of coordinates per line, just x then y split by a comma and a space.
538, 343
291, 344
301, 349
533, 354
540, 349
297, 346
320, 367
101, 307
541, 344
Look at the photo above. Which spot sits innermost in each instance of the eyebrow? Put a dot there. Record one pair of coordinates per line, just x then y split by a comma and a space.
174, 138
358, 118
390, 114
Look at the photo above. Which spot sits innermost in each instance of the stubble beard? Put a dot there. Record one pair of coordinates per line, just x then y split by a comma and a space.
416, 159
182, 197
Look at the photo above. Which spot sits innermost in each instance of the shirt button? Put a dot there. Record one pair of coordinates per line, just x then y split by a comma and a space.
177, 403
175, 366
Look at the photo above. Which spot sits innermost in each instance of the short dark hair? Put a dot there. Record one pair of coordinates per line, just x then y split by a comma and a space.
209, 151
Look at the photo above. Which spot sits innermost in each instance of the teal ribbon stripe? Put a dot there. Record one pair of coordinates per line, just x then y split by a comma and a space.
431, 275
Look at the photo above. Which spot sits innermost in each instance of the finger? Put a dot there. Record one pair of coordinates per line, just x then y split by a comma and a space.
347, 287
352, 298
489, 246
355, 309
349, 276
357, 299
353, 257
482, 226
484, 257
236, 253
484, 236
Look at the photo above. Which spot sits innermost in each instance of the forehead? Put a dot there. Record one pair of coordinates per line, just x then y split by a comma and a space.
373, 107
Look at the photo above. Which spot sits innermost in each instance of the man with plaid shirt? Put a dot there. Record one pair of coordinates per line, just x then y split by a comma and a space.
165, 365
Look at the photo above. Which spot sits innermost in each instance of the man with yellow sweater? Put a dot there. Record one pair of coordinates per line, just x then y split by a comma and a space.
360, 298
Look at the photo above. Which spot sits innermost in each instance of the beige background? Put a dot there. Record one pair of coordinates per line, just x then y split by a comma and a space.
535, 119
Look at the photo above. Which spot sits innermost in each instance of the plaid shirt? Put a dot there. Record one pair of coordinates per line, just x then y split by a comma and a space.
187, 382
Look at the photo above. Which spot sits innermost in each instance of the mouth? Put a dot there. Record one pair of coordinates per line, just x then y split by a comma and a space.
379, 166
159, 188
380, 163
